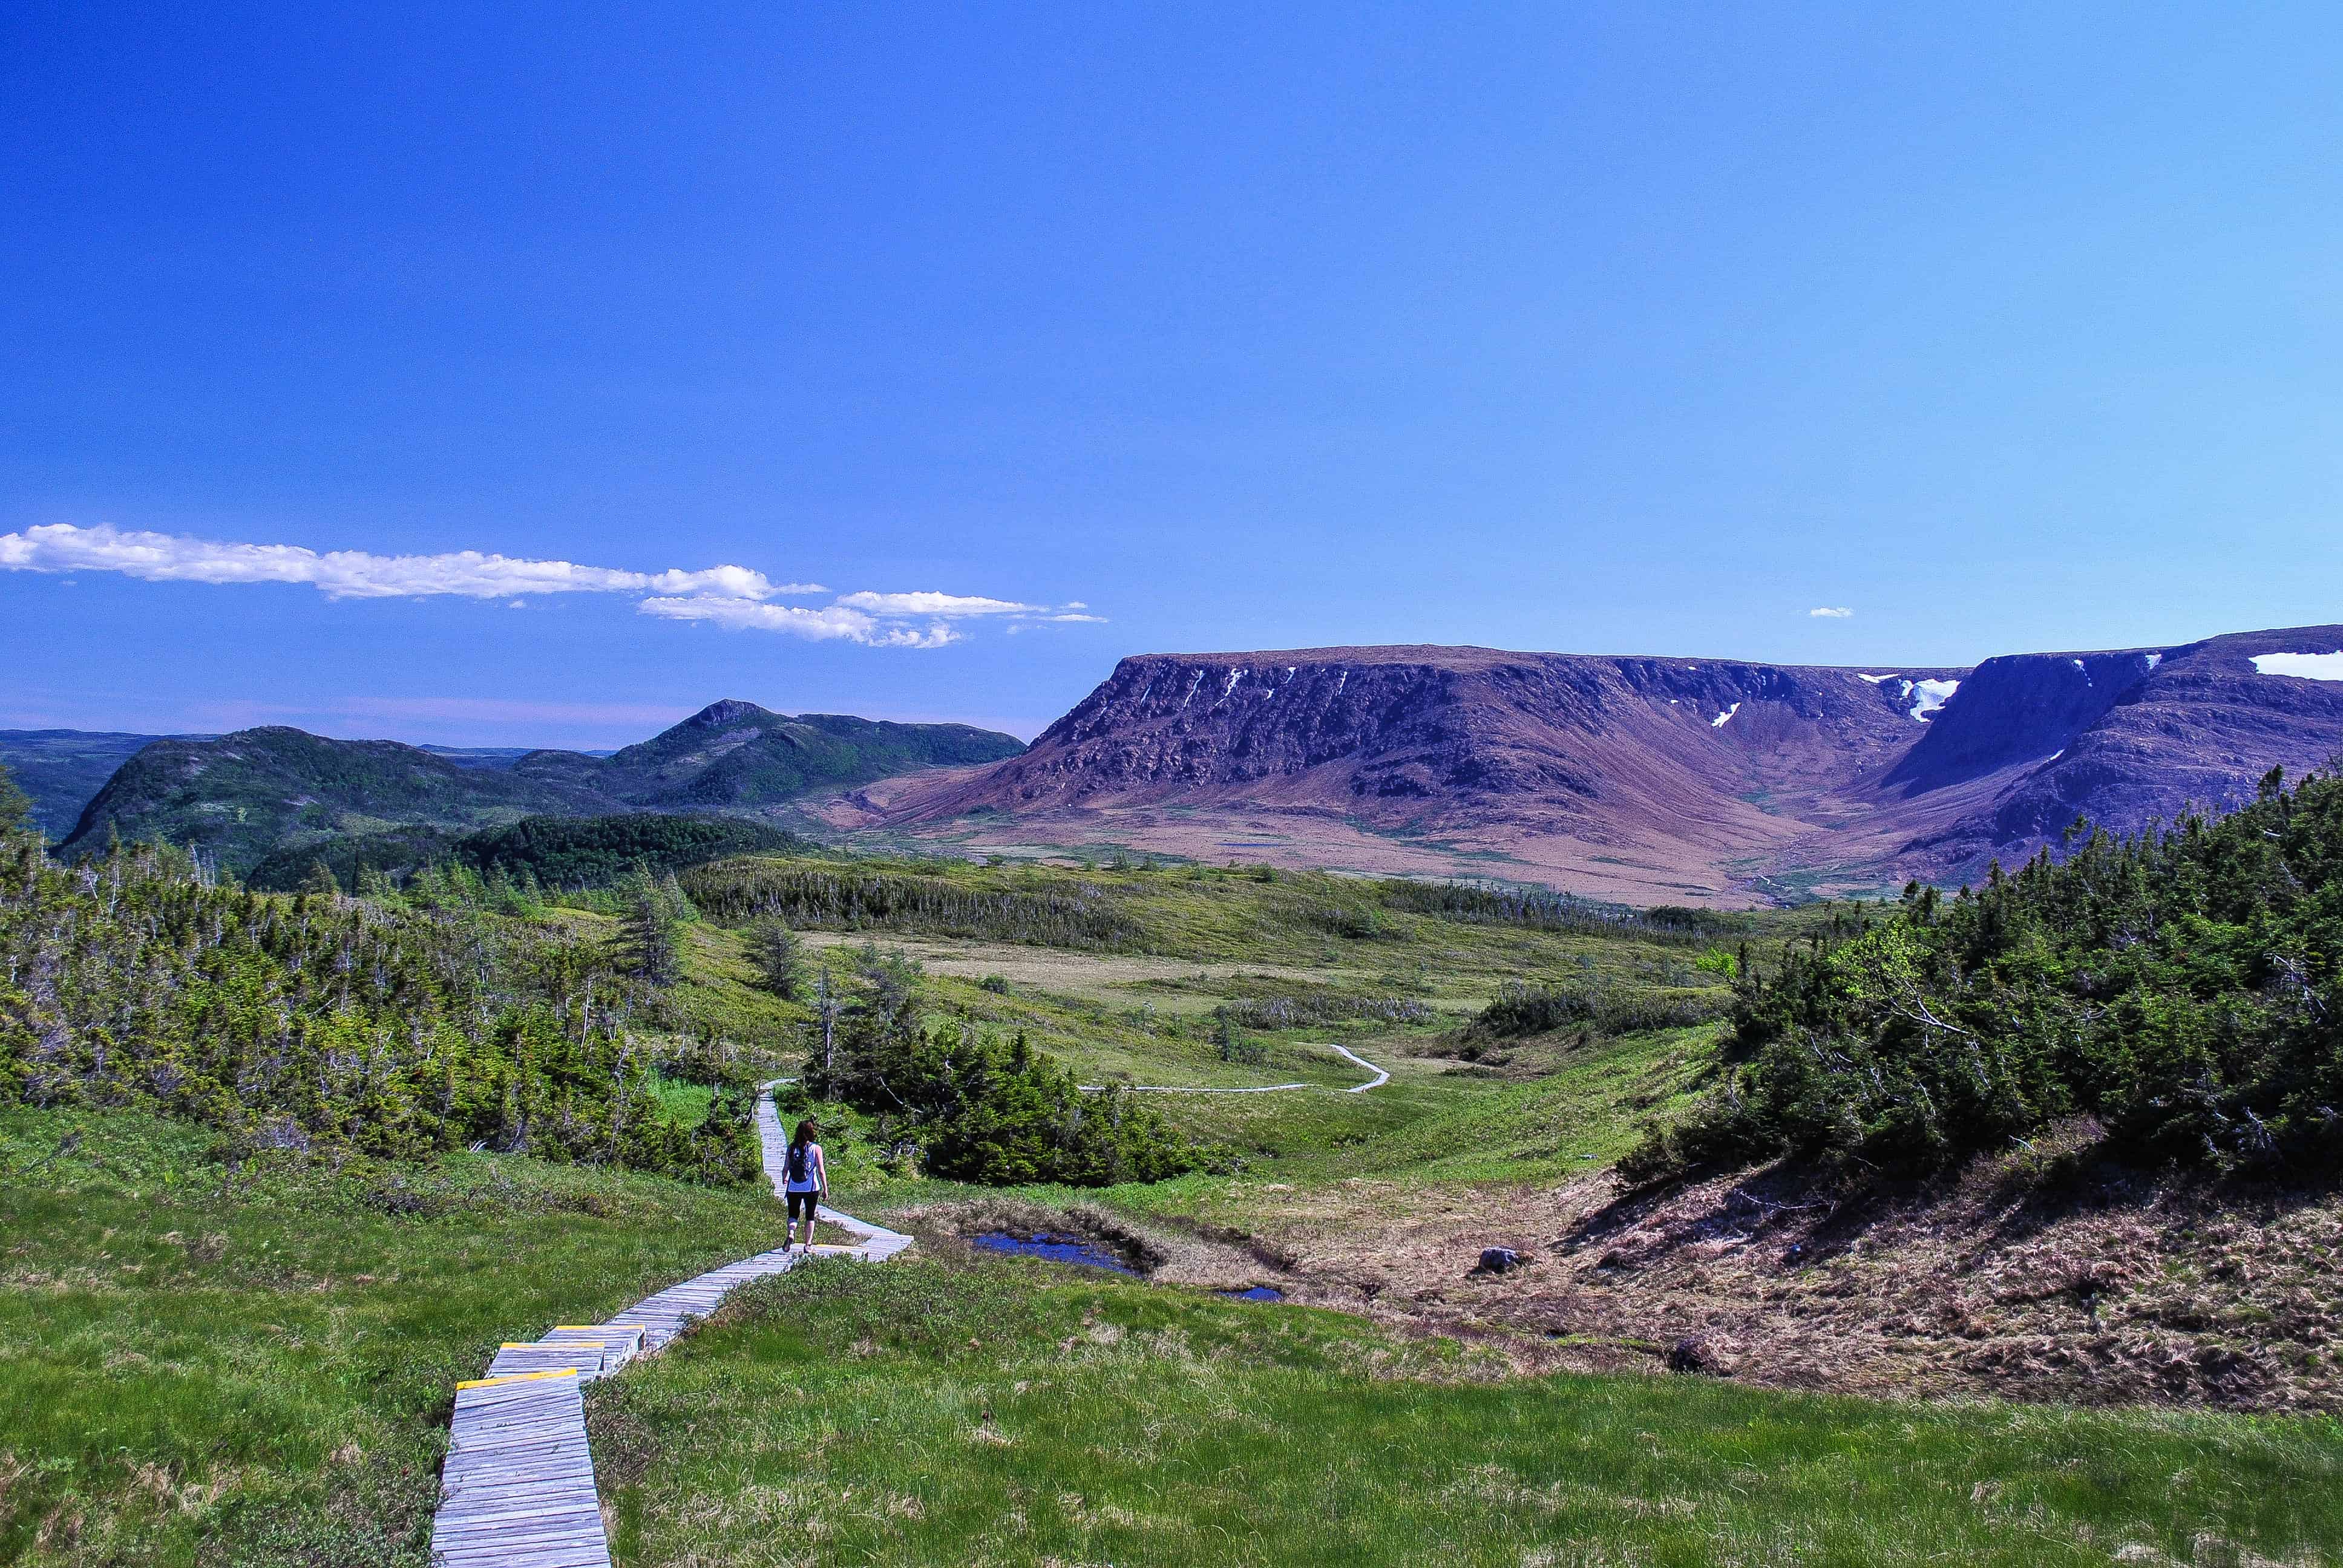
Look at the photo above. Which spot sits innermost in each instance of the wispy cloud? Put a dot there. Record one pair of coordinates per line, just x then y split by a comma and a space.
730, 596
949, 604
1827, 613
825, 624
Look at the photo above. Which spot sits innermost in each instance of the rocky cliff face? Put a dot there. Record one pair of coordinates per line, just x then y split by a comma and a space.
2193, 726
1636, 757
2018, 708
1703, 776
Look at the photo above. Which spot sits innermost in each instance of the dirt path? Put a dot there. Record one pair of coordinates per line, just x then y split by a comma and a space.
1377, 1082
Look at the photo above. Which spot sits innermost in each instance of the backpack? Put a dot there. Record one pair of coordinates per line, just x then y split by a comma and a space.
799, 1160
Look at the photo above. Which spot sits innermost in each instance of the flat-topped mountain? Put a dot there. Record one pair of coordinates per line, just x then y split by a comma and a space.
242, 796
1646, 777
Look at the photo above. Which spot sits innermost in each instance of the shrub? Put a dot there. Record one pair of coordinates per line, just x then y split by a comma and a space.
327, 1023
978, 1111
1521, 1011
2181, 987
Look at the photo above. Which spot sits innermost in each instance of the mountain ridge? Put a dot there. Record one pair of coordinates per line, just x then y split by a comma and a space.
244, 796
1643, 777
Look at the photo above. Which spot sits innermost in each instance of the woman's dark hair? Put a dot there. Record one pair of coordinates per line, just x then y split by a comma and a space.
804, 1135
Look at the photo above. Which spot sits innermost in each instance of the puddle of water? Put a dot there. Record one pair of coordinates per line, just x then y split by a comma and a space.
1057, 1248
1257, 1293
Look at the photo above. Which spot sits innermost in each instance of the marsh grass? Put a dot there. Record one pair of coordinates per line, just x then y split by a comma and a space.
1006, 1411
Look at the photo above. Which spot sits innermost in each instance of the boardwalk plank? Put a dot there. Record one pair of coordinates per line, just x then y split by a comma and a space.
517, 1488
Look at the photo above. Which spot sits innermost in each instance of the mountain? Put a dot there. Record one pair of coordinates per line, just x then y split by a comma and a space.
243, 797
62, 769
490, 756
2127, 739
1647, 779
736, 757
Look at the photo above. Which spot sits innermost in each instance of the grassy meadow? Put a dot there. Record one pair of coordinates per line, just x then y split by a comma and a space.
204, 1364
941, 1410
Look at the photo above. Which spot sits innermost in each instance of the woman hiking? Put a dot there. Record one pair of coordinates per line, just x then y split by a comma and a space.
808, 1181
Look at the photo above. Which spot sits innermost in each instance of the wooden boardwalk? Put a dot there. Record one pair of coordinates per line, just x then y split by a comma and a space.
517, 1490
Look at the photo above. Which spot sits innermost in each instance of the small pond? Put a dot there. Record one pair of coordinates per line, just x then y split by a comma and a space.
1064, 1249
1057, 1248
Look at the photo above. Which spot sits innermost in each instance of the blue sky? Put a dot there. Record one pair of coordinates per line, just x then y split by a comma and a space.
1634, 328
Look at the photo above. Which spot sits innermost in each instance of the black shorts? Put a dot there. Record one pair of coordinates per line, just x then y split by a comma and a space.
803, 1202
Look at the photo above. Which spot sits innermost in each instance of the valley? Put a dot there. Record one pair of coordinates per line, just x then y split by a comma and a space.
1636, 781
319, 1105
1151, 786
242, 1346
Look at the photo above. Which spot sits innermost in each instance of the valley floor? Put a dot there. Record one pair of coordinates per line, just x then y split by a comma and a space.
200, 1370
203, 1367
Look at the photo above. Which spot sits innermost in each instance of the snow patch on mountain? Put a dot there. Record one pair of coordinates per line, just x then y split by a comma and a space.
2301, 666
1928, 696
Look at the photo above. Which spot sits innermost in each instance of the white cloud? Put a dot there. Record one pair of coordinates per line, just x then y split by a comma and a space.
347, 574
950, 605
729, 596
831, 623
1827, 613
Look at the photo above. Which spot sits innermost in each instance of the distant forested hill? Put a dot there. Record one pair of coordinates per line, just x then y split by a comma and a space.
243, 798
735, 756
60, 770
556, 853
243, 795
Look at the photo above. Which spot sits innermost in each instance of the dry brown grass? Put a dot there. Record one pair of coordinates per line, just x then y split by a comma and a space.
2106, 1288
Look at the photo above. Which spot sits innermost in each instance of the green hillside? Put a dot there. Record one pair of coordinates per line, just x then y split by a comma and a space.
563, 854
240, 798
277, 1169
735, 756
61, 769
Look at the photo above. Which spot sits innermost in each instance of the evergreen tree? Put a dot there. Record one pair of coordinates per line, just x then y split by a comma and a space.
978, 1111
319, 878
780, 957
648, 949
16, 811
2182, 990
379, 1028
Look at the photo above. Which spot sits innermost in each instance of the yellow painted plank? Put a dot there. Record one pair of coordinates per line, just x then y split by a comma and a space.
517, 1377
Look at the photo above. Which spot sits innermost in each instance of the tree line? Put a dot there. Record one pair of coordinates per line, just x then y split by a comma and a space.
2181, 988
383, 1027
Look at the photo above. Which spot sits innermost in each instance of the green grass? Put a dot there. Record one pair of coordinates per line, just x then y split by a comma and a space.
1196, 912
196, 1370
684, 1105
1000, 1412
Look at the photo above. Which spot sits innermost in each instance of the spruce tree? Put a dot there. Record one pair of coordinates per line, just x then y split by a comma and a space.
16, 811
780, 957
319, 878
648, 947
